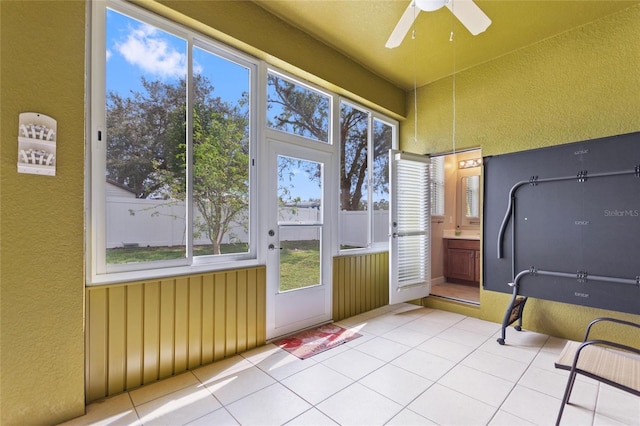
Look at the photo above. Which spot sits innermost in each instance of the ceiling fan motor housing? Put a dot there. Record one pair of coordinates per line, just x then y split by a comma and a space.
431, 5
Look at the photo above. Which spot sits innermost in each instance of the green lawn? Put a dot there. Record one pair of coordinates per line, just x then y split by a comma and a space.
148, 254
299, 260
299, 264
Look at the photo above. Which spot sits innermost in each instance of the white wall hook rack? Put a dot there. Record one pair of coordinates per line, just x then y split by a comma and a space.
37, 137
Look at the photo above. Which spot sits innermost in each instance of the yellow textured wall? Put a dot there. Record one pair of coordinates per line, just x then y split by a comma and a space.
42, 357
581, 85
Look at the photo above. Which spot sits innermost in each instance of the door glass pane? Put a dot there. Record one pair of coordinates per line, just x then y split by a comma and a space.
299, 191
299, 257
299, 204
145, 113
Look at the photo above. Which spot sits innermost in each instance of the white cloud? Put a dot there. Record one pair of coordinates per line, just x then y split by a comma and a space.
145, 47
197, 68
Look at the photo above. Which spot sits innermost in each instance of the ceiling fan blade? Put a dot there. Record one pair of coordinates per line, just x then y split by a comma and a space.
470, 15
403, 26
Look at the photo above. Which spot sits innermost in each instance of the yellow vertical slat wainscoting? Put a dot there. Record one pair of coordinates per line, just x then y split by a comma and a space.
142, 332
360, 284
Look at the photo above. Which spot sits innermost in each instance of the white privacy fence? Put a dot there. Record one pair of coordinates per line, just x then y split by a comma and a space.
144, 222
141, 222
354, 224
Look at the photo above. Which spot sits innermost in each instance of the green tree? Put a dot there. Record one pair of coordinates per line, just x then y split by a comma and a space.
353, 157
148, 151
146, 138
299, 111
220, 164
306, 113
220, 172
138, 135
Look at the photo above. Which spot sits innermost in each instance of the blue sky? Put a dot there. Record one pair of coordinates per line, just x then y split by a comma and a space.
135, 49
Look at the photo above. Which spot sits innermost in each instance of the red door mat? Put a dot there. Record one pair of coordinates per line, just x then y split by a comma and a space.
310, 342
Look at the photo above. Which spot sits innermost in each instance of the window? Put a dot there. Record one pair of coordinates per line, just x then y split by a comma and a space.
173, 149
296, 109
437, 186
173, 184
365, 142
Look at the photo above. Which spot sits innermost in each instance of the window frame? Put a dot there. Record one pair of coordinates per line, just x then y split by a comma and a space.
98, 272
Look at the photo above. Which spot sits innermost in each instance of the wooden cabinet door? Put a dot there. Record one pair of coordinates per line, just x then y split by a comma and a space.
477, 264
462, 260
461, 264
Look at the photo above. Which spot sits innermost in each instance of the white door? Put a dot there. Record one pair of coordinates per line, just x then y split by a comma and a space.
298, 254
410, 264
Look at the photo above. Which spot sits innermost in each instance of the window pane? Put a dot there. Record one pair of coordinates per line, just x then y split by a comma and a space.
145, 113
382, 140
296, 109
220, 155
354, 137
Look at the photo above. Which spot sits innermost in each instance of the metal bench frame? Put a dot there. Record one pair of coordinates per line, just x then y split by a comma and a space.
605, 350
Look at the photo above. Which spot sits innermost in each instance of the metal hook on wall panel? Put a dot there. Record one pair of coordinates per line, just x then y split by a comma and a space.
582, 276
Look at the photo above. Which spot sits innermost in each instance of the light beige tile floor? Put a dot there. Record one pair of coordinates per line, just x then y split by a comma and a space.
412, 366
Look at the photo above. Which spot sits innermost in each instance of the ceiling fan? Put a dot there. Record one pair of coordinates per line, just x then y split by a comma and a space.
467, 12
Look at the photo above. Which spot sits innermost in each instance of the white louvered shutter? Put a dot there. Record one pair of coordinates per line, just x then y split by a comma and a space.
410, 272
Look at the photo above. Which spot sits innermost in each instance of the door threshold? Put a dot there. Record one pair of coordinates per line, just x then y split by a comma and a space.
297, 331
455, 299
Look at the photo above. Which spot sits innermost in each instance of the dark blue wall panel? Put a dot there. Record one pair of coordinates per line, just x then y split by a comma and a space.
576, 210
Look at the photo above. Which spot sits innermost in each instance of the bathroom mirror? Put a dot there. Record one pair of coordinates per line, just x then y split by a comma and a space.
469, 201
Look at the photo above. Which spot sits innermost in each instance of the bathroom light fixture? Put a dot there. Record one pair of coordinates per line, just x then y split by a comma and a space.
467, 164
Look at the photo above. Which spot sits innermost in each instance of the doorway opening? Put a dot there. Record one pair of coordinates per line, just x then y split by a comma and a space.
456, 218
